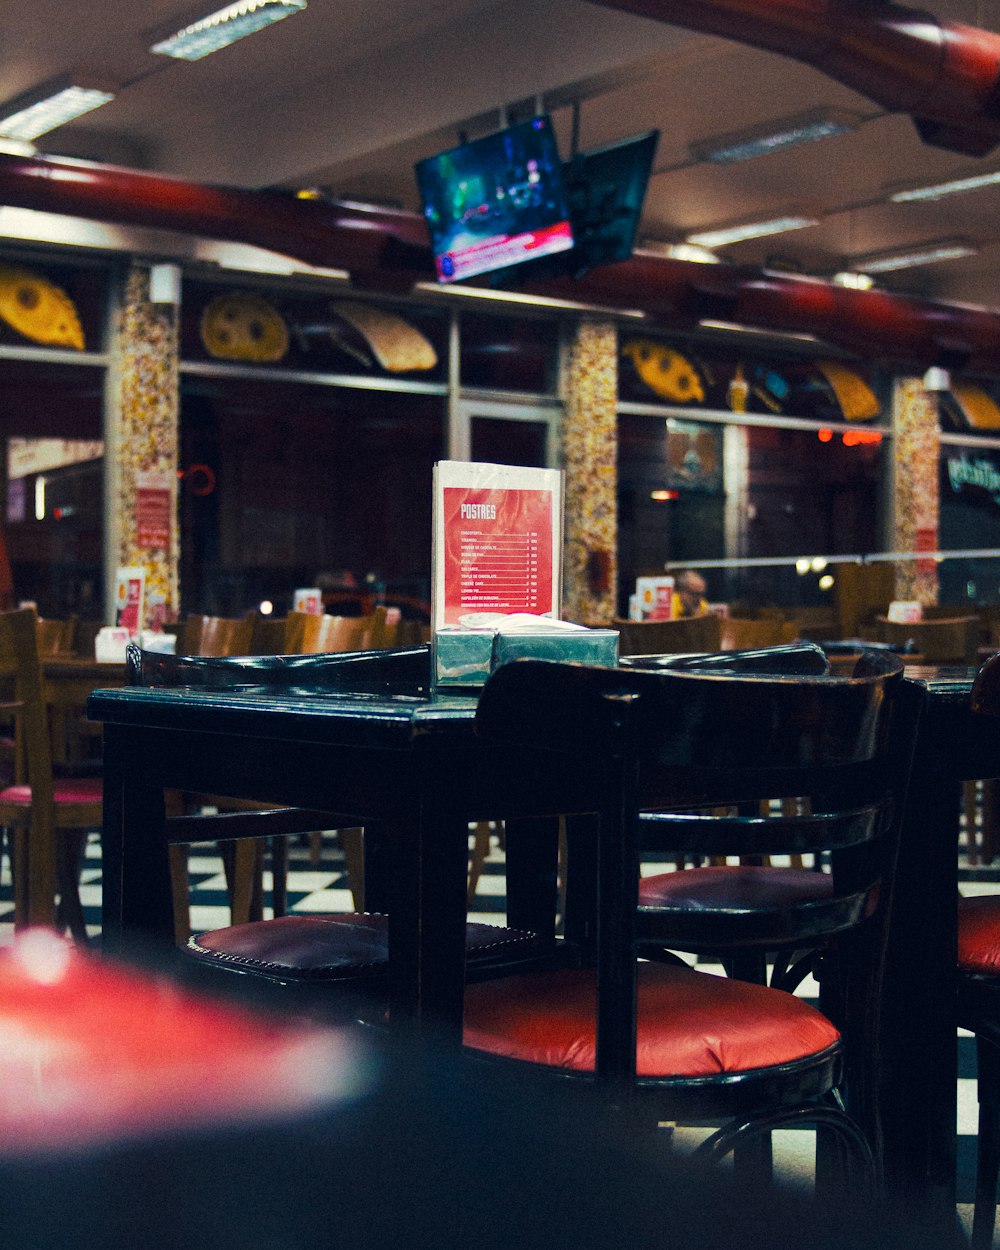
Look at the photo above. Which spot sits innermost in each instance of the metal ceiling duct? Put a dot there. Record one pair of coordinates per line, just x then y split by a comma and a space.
945, 75
389, 251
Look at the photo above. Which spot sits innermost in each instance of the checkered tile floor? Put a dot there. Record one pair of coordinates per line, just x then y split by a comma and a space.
324, 888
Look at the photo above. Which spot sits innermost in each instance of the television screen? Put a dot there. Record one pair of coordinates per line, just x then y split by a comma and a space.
495, 202
605, 190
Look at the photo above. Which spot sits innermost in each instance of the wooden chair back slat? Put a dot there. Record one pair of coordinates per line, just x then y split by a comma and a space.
687, 634
215, 635
942, 641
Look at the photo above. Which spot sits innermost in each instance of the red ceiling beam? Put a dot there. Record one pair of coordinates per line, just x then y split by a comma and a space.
388, 251
945, 75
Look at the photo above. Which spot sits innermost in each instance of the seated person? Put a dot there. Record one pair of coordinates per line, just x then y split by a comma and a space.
689, 595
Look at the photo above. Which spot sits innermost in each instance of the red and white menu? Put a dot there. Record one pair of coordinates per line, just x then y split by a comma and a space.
131, 584
497, 542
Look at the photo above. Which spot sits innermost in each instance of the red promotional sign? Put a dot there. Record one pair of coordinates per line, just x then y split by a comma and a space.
498, 551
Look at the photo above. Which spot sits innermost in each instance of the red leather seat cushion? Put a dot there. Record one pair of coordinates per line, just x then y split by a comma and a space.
734, 887
979, 934
317, 947
689, 1023
93, 1052
70, 790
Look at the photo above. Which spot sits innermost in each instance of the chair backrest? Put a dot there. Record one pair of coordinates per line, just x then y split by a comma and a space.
56, 637
21, 676
942, 641
738, 634
687, 634
270, 635
333, 633
384, 627
860, 591
675, 740
215, 635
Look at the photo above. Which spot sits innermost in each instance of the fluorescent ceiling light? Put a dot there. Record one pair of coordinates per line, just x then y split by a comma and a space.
947, 249
854, 281
775, 137
941, 189
227, 25
677, 251
734, 327
751, 230
514, 297
44, 108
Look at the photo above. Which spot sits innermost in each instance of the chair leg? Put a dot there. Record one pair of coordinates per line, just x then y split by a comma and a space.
69, 863
988, 1148
178, 854
352, 843
279, 876
969, 806
990, 819
479, 855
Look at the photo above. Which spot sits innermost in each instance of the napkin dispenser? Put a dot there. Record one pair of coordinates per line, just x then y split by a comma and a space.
464, 658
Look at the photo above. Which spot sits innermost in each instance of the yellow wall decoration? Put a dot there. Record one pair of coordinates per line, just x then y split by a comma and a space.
39, 310
666, 372
244, 327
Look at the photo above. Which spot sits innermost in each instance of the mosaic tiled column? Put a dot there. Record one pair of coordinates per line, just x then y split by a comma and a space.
589, 445
916, 448
143, 444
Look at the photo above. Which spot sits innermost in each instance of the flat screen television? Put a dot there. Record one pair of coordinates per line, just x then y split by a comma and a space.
605, 191
495, 202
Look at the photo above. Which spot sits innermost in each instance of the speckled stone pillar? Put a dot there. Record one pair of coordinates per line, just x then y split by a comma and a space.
589, 446
143, 478
916, 450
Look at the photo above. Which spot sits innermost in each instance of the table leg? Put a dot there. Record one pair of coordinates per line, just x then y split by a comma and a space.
427, 912
919, 1098
532, 870
136, 870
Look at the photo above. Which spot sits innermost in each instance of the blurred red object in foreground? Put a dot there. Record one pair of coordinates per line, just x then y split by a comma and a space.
92, 1051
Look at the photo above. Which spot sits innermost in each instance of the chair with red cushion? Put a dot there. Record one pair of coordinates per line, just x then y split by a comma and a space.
701, 1047
315, 960
47, 818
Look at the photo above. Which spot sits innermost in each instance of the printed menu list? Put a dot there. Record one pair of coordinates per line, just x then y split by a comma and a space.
497, 539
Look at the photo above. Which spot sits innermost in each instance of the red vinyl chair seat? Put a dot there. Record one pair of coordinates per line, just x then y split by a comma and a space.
734, 887
95, 1052
979, 935
335, 947
69, 790
690, 1024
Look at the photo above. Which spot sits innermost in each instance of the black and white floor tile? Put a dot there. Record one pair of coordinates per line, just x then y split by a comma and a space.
324, 888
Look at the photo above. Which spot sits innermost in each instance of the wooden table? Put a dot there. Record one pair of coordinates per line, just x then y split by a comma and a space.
69, 681
413, 765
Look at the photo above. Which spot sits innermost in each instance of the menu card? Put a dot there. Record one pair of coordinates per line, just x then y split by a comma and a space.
497, 541
131, 585
497, 559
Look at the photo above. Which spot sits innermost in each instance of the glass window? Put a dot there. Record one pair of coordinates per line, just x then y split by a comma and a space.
969, 519
284, 481
509, 353
51, 427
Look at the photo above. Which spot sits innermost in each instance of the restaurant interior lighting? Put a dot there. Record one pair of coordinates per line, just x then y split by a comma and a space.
677, 251
42, 109
749, 230
224, 27
776, 136
928, 254
854, 281
939, 190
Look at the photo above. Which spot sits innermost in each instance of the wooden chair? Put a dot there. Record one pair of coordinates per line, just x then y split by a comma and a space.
688, 634
700, 1047
270, 635
46, 819
310, 954
56, 637
215, 635
860, 592
321, 633
738, 634
943, 640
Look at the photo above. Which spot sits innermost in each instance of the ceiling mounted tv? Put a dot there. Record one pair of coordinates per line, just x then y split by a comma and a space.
496, 202
605, 191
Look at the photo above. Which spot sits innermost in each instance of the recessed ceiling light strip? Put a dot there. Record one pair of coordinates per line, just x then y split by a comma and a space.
750, 230
224, 27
